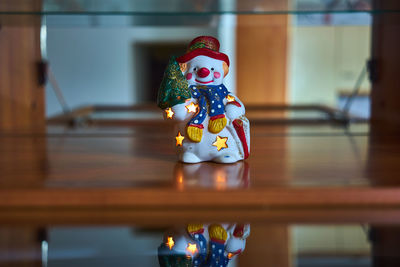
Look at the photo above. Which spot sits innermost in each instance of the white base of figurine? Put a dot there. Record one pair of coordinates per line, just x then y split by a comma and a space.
192, 152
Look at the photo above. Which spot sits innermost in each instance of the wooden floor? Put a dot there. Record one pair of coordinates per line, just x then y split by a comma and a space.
318, 173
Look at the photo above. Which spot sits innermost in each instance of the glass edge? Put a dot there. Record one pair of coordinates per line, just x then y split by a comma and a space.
144, 13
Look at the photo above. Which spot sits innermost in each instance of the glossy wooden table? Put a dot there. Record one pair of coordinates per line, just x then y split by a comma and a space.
121, 174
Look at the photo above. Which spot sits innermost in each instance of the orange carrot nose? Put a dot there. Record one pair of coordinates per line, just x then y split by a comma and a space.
203, 72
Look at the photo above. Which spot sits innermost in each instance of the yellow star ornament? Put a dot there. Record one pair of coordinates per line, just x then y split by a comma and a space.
169, 113
220, 142
170, 242
179, 139
230, 98
191, 107
192, 248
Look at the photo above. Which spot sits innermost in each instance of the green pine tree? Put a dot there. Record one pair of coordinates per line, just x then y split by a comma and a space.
169, 258
174, 88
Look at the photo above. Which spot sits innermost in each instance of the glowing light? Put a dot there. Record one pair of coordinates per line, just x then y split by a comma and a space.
220, 180
179, 139
192, 107
220, 142
230, 98
230, 255
170, 242
169, 113
181, 186
191, 248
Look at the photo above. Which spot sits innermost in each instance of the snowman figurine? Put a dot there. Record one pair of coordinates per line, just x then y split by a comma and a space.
201, 245
210, 121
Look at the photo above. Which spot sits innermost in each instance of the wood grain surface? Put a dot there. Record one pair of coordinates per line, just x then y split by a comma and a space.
22, 102
139, 170
261, 45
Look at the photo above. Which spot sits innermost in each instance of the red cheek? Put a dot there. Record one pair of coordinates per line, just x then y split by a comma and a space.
217, 75
188, 76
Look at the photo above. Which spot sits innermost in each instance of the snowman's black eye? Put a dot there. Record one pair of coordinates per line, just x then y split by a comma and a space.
212, 69
194, 69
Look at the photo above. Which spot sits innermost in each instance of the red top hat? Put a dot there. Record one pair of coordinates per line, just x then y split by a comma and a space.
203, 46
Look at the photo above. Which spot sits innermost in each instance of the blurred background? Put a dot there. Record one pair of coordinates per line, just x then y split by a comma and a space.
346, 245
303, 61
314, 54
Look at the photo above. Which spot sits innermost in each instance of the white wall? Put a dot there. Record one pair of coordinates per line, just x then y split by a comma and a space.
103, 246
227, 39
330, 239
95, 65
324, 60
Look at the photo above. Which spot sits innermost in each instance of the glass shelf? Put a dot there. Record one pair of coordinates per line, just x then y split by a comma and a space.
137, 245
183, 7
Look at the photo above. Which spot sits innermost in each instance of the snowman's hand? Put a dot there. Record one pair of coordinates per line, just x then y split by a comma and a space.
193, 228
218, 233
215, 125
194, 133
234, 108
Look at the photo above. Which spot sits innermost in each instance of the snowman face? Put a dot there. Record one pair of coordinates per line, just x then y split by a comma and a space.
203, 70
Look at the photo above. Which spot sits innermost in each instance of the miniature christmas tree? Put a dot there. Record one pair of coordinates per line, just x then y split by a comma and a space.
174, 88
169, 258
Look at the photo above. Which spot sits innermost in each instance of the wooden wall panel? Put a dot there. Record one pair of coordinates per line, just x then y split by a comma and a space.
21, 96
385, 95
268, 245
385, 240
20, 246
262, 58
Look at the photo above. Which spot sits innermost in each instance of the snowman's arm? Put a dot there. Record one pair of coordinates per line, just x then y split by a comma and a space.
180, 111
234, 108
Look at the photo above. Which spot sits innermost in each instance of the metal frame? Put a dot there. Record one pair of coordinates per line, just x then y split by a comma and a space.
81, 116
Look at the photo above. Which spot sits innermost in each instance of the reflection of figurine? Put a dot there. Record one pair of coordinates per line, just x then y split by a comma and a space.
211, 175
211, 122
200, 244
203, 245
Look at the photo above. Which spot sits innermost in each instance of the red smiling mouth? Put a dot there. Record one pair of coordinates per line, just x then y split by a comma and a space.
203, 82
